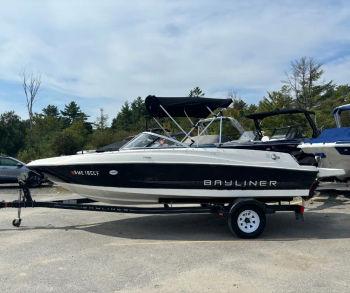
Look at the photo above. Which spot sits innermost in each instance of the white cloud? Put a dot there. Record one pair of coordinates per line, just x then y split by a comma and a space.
338, 70
124, 49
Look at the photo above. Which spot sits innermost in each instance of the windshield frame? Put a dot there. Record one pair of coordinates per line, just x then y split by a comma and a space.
177, 143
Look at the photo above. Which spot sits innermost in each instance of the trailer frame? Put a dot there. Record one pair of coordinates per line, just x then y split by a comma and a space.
229, 210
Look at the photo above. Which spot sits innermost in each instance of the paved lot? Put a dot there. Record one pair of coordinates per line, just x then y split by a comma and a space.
75, 251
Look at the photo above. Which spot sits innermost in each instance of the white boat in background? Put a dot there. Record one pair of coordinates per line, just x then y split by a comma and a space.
332, 146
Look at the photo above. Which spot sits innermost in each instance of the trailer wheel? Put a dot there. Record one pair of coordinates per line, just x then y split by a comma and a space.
246, 220
35, 181
16, 222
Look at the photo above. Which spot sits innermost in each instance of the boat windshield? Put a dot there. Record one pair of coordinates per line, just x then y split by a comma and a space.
290, 126
152, 140
344, 119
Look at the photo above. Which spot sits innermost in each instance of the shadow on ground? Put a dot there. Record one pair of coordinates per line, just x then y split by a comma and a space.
322, 203
209, 227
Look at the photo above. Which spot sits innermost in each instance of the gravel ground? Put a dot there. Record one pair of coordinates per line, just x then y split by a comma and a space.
79, 251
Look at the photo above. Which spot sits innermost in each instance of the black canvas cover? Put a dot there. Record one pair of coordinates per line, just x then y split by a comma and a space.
263, 115
176, 107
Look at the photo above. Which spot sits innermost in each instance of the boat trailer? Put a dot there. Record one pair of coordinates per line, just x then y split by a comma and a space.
246, 216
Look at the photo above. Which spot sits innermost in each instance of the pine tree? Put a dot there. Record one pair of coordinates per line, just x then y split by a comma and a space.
303, 82
72, 113
51, 110
196, 92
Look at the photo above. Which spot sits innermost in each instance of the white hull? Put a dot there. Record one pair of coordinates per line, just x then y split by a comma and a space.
193, 156
121, 196
333, 159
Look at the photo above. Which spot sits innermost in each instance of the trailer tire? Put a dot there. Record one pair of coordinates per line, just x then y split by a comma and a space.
35, 181
16, 222
247, 220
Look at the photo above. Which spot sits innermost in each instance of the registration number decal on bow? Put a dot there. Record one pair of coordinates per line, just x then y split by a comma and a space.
85, 173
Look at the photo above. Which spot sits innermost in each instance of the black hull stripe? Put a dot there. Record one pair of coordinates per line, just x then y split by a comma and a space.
184, 176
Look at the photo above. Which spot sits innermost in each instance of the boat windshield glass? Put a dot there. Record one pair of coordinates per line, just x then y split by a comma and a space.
152, 140
345, 119
290, 126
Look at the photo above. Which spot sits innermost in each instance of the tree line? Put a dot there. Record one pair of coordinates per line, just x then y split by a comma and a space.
54, 131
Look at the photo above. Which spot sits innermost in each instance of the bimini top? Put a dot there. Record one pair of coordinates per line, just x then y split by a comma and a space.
262, 115
180, 107
257, 117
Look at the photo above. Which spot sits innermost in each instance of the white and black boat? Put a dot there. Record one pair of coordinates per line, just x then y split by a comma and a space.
154, 168
147, 174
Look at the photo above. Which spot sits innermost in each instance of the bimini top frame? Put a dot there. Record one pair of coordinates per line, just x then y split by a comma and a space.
337, 112
258, 117
196, 107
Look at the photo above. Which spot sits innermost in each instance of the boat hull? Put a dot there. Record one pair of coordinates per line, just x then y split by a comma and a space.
332, 155
153, 177
128, 196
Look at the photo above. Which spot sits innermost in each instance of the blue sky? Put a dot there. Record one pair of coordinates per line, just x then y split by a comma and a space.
102, 53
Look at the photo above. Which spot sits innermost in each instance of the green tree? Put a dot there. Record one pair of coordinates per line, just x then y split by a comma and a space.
138, 111
123, 121
304, 82
72, 113
45, 130
238, 110
12, 133
276, 100
196, 92
281, 100
104, 137
51, 110
335, 96
71, 139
